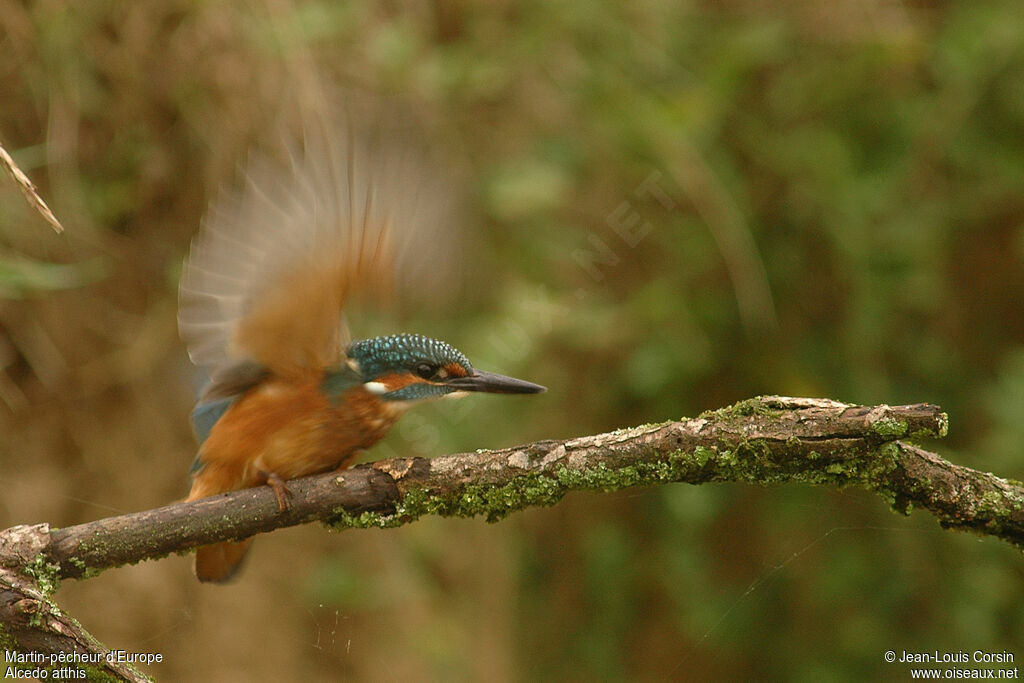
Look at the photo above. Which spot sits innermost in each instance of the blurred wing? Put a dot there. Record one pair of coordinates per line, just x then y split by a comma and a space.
353, 212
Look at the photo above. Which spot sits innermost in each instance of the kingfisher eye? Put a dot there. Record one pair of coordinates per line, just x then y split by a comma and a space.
425, 371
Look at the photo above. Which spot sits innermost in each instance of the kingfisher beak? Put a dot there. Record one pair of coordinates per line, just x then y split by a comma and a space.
493, 383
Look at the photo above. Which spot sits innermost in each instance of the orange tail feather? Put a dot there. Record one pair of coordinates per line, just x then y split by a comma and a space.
220, 562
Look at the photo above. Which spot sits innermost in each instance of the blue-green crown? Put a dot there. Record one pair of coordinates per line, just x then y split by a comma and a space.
399, 353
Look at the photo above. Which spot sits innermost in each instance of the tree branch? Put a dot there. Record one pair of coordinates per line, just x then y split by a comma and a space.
766, 440
31, 624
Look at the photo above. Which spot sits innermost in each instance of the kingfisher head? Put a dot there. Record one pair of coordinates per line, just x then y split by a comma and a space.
408, 367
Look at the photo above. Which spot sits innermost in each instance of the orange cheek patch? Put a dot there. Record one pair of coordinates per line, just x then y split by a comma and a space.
396, 381
455, 370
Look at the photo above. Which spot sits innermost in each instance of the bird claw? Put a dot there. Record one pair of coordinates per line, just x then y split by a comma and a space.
280, 490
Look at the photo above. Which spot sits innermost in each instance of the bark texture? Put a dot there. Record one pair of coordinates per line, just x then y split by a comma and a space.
767, 440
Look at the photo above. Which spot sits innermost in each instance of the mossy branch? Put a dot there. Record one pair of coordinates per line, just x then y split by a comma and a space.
34, 633
766, 440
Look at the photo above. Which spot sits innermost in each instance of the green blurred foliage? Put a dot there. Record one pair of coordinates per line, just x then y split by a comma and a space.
670, 206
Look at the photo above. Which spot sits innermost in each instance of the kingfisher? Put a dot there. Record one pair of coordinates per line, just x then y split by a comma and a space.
351, 214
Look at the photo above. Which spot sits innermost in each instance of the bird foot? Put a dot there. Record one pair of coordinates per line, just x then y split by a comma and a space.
280, 490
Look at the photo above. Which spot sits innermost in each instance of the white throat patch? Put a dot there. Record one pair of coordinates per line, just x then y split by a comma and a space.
378, 388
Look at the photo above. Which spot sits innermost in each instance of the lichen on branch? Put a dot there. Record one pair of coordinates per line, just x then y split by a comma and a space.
766, 440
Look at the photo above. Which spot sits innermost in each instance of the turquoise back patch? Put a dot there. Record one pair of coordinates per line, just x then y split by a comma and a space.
206, 414
336, 382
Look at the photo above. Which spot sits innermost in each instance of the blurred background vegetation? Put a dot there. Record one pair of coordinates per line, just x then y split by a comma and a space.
841, 193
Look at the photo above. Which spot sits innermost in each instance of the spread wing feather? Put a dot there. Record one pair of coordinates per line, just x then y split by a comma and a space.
354, 210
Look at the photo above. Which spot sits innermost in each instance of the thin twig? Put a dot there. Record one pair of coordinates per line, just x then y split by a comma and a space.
28, 189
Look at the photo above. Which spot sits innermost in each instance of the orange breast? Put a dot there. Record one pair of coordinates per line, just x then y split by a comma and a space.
289, 428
